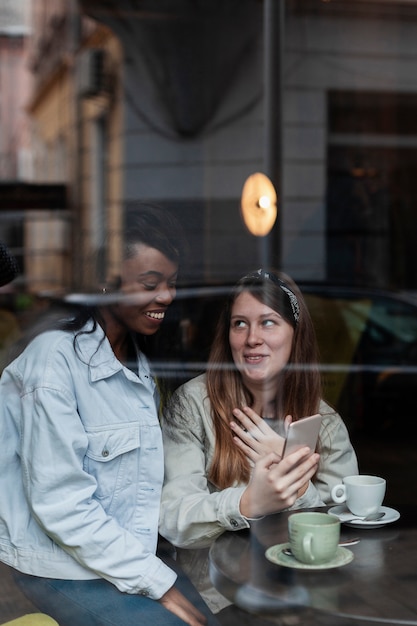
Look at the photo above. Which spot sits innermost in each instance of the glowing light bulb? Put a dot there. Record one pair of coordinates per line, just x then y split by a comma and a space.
264, 202
258, 205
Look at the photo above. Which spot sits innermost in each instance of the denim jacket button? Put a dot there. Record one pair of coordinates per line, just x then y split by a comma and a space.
105, 453
234, 523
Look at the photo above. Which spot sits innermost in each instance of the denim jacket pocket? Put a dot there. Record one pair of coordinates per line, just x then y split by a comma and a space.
112, 460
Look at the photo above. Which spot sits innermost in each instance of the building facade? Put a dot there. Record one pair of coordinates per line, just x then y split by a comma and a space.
178, 103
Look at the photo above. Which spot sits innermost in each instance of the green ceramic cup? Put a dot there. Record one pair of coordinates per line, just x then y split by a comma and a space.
314, 537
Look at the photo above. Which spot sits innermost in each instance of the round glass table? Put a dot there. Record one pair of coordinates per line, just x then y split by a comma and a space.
379, 585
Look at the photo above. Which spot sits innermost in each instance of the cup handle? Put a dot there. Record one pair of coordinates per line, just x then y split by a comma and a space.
339, 494
307, 551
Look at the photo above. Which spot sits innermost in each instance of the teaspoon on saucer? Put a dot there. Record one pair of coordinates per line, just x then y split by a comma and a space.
346, 542
372, 517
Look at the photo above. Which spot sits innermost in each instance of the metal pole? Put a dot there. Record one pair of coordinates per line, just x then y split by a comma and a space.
274, 15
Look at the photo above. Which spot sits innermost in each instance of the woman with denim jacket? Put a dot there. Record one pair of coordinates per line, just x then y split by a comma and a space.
224, 430
81, 467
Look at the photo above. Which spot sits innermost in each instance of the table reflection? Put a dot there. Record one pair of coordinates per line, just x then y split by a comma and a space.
379, 585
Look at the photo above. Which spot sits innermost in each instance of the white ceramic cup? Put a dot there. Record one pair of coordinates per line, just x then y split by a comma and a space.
363, 494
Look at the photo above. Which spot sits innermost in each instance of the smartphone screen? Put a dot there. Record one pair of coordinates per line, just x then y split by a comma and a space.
303, 432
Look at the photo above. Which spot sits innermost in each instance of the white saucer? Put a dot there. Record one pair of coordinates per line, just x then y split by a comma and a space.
276, 555
342, 512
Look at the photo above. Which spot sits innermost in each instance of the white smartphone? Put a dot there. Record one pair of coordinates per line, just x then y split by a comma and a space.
303, 432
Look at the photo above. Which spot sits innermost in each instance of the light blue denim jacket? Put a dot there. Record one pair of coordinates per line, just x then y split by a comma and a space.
81, 465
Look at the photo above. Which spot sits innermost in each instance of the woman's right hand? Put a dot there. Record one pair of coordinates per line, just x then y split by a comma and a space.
254, 436
275, 484
177, 603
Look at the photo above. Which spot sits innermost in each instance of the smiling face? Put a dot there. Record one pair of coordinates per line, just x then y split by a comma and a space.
148, 280
260, 341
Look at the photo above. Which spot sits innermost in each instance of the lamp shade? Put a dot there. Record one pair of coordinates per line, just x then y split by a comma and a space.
258, 204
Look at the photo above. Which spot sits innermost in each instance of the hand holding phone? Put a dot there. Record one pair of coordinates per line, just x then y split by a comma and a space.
303, 432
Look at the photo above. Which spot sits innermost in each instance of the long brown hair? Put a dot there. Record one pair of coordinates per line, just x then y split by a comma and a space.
300, 390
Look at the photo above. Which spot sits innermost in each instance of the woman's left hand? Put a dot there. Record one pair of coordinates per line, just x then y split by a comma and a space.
254, 436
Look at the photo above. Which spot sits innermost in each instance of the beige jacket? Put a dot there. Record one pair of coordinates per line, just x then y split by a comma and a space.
194, 512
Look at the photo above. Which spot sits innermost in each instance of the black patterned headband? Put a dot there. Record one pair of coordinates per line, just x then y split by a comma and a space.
264, 275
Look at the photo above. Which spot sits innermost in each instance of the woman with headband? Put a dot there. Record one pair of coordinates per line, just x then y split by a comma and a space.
224, 430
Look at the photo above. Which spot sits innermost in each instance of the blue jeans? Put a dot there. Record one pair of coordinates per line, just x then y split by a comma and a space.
99, 603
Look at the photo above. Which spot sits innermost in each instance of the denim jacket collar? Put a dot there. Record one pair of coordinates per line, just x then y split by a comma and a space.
94, 348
